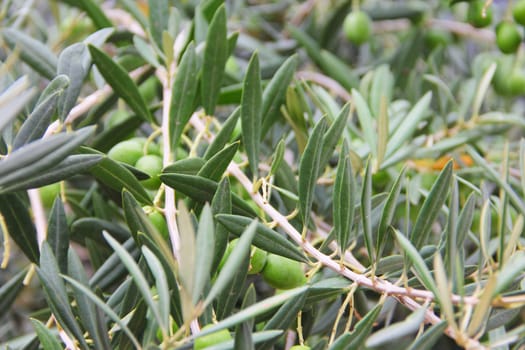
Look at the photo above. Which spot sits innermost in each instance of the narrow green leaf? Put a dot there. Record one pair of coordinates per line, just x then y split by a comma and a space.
430, 337
146, 51
409, 124
20, 225
137, 276
118, 78
215, 57
387, 215
397, 330
243, 337
251, 113
343, 201
283, 318
73, 62
381, 88
11, 288
366, 210
422, 271
221, 204
309, 170
443, 285
187, 261
70, 166
362, 329
56, 294
58, 84
94, 322
513, 268
431, 207
161, 283
224, 135
215, 167
93, 10
238, 254
100, 303
14, 99
36, 124
277, 158
266, 238
226, 302
158, 19
366, 121
202, 190
58, 234
47, 339
24, 165
275, 92
183, 94
333, 135
254, 310
118, 177
33, 52
188, 166
465, 220
204, 245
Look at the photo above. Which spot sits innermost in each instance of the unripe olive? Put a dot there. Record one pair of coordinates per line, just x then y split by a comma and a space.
257, 257
476, 16
283, 273
357, 27
127, 152
159, 221
518, 12
211, 339
508, 37
151, 165
300, 347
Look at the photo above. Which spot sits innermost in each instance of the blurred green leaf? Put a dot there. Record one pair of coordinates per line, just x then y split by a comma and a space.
161, 283
58, 234
251, 113
33, 52
215, 57
221, 204
366, 121
204, 245
13, 99
93, 10
48, 340
366, 210
158, 19
11, 288
356, 339
429, 338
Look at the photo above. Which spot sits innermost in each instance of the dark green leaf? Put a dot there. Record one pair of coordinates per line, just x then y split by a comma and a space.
266, 238
92, 228
215, 57
117, 77
275, 92
388, 214
332, 136
366, 210
243, 337
11, 288
309, 170
58, 234
48, 340
202, 190
284, 317
117, 177
36, 124
221, 204
215, 167
431, 207
33, 52
70, 166
428, 340
20, 225
251, 113
183, 95
188, 166
343, 202
56, 294
224, 135
92, 320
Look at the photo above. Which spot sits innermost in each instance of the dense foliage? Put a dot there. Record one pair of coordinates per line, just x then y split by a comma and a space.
319, 174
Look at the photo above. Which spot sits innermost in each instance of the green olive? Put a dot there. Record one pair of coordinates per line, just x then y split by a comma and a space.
127, 152
518, 12
159, 221
478, 15
48, 194
257, 257
283, 273
211, 339
151, 165
300, 347
517, 83
153, 148
357, 27
508, 37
